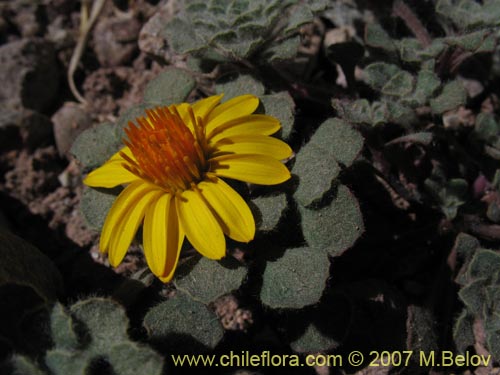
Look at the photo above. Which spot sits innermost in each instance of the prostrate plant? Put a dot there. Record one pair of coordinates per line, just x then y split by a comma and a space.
331, 222
479, 282
93, 330
240, 30
306, 222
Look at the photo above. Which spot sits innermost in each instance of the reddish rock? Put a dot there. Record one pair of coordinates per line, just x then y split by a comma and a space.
69, 121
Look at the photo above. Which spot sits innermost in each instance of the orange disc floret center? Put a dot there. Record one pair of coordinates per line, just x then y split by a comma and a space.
166, 151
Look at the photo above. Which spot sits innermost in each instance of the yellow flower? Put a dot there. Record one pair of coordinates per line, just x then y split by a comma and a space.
172, 163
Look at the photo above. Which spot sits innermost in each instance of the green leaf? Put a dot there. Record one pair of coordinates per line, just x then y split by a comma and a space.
239, 85
61, 362
473, 296
410, 50
205, 280
313, 341
317, 163
268, 211
281, 106
487, 128
105, 319
452, 96
182, 36
282, 51
96, 145
449, 194
399, 85
105, 325
484, 264
378, 74
299, 16
129, 115
427, 84
180, 317
23, 365
23, 264
465, 247
61, 326
295, 280
358, 111
463, 333
235, 45
129, 358
336, 227
468, 14
169, 87
493, 212
316, 169
95, 205
479, 41
377, 37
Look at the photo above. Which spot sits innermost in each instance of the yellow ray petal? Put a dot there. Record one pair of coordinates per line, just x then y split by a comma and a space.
251, 124
120, 208
112, 173
256, 169
124, 232
235, 217
109, 175
201, 227
117, 157
182, 108
204, 106
162, 237
253, 144
240, 106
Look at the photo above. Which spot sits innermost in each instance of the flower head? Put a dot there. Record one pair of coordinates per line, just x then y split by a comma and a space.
172, 165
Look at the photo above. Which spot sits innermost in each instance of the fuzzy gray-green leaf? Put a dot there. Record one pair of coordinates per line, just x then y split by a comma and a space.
316, 170
269, 210
281, 106
61, 326
96, 145
317, 163
299, 16
295, 280
129, 115
63, 362
23, 365
282, 51
169, 87
358, 111
378, 74
129, 358
242, 84
484, 264
473, 296
377, 37
183, 38
181, 315
105, 324
335, 227
487, 128
399, 85
104, 319
313, 341
95, 205
427, 84
479, 41
463, 334
452, 96
206, 280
